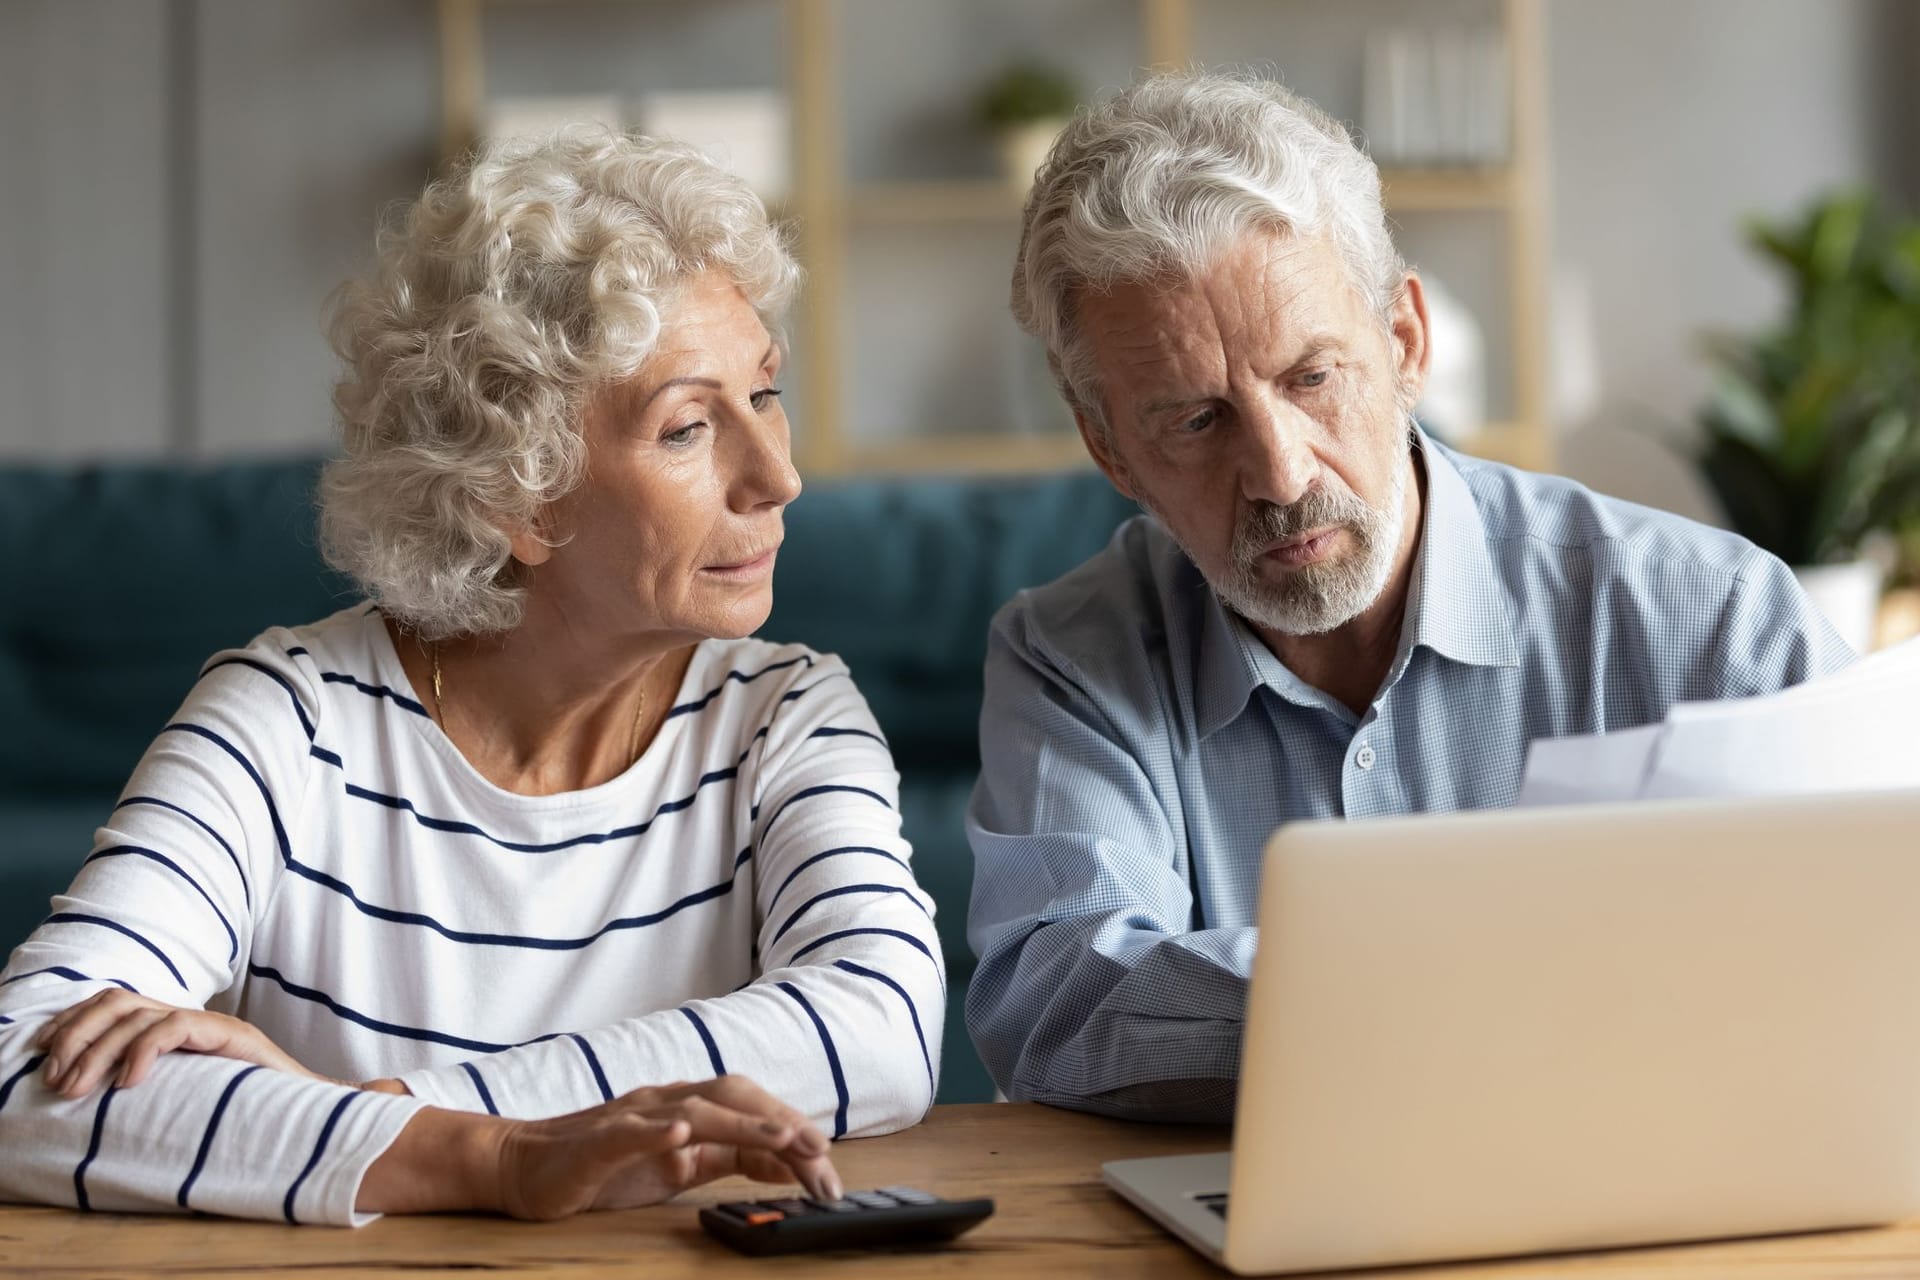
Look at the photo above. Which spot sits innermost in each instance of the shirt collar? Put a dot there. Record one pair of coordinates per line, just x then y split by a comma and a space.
1455, 606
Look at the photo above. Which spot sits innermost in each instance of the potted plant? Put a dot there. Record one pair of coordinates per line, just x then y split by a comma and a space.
1026, 106
1811, 438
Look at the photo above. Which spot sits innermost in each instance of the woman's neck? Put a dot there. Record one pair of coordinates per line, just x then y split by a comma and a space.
543, 709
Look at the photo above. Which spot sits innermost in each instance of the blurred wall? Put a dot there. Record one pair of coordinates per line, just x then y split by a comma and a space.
184, 182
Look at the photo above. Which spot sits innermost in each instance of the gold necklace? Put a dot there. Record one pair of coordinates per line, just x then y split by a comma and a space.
440, 713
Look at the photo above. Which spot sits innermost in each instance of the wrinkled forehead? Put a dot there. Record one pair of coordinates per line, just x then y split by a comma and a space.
1266, 287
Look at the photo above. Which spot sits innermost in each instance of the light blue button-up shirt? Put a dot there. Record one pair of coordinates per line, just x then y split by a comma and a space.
1139, 744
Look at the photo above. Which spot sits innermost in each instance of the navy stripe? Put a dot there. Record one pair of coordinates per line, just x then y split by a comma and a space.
206, 1139
826, 788
298, 651
319, 1149
400, 700
599, 1076
246, 891
480, 1087
912, 1012
830, 853
908, 938
794, 695
374, 1024
841, 892
76, 917
5, 1020
6, 1090
521, 940
71, 975
121, 850
833, 1058
266, 796
321, 753
93, 1149
846, 733
734, 676
706, 1038
306, 721
597, 837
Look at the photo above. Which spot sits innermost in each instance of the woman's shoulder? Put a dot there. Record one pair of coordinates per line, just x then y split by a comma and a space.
755, 681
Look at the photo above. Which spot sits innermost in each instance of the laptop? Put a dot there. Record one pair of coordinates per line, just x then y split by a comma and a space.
1538, 1030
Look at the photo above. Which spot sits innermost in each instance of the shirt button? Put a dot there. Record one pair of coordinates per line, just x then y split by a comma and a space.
1364, 757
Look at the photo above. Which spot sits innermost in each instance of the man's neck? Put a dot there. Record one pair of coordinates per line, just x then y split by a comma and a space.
1351, 662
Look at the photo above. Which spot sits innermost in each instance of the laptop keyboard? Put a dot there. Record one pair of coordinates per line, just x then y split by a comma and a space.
1214, 1200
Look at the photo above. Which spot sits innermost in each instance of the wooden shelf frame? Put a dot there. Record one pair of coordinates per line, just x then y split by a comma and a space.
828, 212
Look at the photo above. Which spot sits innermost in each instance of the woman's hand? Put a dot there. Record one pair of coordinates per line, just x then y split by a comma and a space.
641, 1148
119, 1033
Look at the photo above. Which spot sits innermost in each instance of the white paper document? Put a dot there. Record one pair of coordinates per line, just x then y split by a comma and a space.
1856, 730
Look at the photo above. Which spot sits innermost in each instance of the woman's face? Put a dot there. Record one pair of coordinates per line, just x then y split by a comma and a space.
673, 533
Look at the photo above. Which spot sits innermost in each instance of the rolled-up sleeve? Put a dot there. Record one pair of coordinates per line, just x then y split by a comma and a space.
1094, 990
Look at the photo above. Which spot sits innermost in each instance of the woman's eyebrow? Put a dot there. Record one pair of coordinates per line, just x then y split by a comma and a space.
692, 381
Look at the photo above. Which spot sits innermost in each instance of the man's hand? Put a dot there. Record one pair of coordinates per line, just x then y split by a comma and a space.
121, 1034
641, 1148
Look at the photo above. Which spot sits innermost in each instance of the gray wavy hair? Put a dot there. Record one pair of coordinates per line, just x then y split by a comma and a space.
504, 298
1163, 178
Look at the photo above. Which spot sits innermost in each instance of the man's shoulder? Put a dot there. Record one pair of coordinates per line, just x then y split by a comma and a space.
1109, 613
1537, 520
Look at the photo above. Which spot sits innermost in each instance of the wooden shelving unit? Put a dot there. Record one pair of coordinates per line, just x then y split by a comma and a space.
830, 213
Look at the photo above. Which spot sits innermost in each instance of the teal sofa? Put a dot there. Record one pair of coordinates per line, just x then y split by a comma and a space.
119, 581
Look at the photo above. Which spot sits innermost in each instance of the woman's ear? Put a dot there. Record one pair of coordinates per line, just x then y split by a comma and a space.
531, 546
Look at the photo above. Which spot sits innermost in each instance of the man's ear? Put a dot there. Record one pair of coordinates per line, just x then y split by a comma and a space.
1413, 355
1099, 442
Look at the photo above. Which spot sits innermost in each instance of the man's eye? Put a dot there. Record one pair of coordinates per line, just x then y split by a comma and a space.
763, 399
1199, 422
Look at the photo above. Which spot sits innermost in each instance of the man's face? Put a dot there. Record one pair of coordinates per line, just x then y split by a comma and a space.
1259, 411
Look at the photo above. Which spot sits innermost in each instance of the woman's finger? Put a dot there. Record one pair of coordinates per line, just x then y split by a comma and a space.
43, 1037
711, 1122
176, 1030
100, 1057
741, 1094
87, 1021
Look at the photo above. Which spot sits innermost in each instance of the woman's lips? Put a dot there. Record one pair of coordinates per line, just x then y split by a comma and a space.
754, 568
1303, 550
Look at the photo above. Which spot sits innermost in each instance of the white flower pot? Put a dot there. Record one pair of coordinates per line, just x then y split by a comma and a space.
1849, 594
1023, 149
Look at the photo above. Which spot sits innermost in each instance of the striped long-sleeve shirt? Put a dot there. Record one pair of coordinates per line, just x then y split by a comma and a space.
303, 848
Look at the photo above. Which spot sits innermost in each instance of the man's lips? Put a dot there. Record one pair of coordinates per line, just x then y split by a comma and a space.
1303, 548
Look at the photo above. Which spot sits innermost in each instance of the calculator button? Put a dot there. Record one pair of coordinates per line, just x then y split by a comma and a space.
871, 1199
907, 1195
792, 1208
835, 1206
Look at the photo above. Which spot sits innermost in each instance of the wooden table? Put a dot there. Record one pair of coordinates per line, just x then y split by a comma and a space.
1055, 1219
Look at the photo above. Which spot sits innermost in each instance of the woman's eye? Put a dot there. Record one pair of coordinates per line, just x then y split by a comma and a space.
763, 399
1317, 378
683, 436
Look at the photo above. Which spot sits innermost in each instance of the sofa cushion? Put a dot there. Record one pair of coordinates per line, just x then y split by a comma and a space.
123, 580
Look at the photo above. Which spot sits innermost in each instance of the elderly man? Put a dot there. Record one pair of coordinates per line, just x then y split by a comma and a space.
1324, 614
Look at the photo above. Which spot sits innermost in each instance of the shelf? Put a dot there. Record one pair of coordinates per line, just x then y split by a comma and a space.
1409, 190
978, 453
1518, 444
975, 200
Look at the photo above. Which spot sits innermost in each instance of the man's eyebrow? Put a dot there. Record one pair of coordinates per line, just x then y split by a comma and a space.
1318, 346
698, 382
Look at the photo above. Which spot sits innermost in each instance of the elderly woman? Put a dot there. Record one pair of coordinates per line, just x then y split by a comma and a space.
438, 902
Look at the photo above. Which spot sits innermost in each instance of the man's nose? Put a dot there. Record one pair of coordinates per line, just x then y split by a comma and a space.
1277, 465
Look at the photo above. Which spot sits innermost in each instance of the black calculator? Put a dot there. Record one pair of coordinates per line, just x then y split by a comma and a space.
862, 1220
